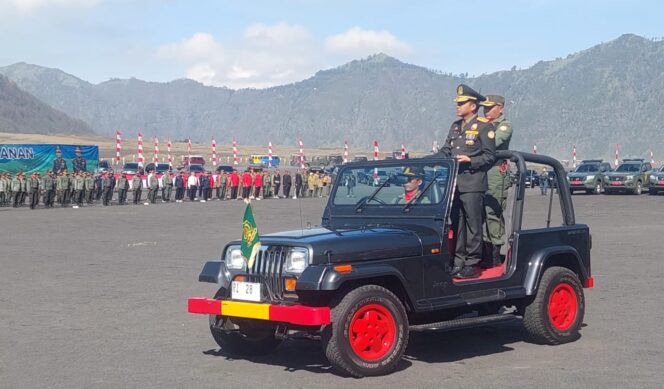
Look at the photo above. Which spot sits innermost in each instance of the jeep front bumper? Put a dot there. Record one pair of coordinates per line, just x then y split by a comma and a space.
292, 314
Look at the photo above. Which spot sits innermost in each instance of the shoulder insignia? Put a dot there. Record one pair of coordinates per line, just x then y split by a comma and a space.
473, 127
483, 120
491, 134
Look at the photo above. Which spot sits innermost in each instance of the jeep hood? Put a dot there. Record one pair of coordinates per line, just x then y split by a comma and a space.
358, 244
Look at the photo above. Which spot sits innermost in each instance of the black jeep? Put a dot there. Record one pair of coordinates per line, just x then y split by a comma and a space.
378, 268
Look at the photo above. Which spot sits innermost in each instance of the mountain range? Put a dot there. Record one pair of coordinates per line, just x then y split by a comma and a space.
608, 94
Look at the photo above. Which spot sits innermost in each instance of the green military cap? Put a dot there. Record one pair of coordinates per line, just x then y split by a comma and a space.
493, 100
413, 171
466, 93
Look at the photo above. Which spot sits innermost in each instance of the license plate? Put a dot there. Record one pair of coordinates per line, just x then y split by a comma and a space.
577, 183
660, 182
615, 182
249, 291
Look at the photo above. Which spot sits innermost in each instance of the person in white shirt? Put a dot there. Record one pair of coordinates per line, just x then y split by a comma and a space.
192, 186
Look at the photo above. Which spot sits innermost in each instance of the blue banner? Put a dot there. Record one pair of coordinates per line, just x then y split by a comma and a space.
41, 158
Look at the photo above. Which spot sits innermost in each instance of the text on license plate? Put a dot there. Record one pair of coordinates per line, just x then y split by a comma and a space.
577, 182
615, 182
250, 291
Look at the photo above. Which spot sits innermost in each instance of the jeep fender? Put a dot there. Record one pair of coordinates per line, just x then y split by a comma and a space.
538, 262
326, 278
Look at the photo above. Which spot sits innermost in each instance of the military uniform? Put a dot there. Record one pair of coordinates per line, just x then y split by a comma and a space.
137, 185
167, 187
79, 164
61, 184
33, 190
106, 189
123, 187
48, 187
89, 188
153, 184
16, 189
3, 190
474, 138
495, 199
59, 165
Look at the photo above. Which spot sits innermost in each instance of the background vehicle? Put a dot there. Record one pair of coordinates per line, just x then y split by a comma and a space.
132, 168
225, 168
264, 160
377, 269
532, 178
631, 176
192, 160
197, 169
360, 158
589, 176
159, 168
105, 166
657, 181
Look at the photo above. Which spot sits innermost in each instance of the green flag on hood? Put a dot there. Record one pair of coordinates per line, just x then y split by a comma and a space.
251, 241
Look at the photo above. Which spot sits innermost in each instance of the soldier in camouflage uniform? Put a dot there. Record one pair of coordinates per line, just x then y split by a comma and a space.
123, 187
137, 185
166, 186
79, 188
153, 185
48, 188
16, 189
33, 190
61, 185
3, 190
89, 188
495, 199
78, 163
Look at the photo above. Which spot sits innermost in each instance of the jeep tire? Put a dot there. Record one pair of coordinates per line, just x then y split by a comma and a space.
241, 340
638, 188
368, 334
556, 313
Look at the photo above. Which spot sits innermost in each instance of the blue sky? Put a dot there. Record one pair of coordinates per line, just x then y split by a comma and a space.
265, 43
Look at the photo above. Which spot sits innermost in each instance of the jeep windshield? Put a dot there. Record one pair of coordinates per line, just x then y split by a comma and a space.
628, 167
397, 185
588, 168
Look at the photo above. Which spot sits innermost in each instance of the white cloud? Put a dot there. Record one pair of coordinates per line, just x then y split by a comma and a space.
269, 55
26, 7
359, 42
265, 56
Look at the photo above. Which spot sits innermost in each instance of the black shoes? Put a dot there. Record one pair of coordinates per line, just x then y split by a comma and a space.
455, 270
469, 272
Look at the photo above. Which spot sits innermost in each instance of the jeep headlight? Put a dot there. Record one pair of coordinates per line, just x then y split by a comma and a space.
234, 259
297, 260
590, 177
629, 178
653, 178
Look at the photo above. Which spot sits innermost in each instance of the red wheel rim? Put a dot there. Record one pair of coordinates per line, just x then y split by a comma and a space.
372, 332
563, 306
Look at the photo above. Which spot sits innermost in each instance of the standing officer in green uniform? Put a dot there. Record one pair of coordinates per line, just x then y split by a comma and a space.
495, 199
48, 188
89, 187
123, 187
33, 190
167, 186
3, 190
153, 187
24, 188
106, 188
471, 142
79, 188
137, 187
16, 189
60, 187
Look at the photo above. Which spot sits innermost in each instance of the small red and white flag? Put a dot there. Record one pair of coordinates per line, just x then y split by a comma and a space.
376, 150
214, 152
345, 151
403, 151
574, 156
118, 146
141, 160
617, 156
170, 157
155, 157
301, 154
235, 162
534, 149
269, 154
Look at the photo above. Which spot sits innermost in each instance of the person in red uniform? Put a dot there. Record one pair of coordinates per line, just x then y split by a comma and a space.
234, 183
246, 184
258, 185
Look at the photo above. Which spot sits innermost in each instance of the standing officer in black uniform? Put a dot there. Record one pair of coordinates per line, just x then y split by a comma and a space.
471, 141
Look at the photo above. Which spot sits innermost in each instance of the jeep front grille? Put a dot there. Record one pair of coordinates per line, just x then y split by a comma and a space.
267, 269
